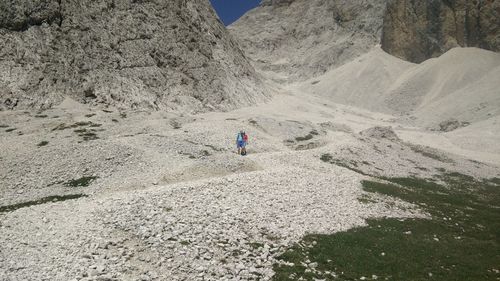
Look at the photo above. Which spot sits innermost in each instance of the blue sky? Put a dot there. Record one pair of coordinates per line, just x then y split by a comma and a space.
231, 10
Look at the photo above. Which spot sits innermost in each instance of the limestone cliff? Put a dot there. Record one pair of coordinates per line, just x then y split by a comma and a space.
419, 30
149, 54
293, 40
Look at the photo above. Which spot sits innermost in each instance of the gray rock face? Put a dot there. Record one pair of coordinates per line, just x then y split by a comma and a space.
300, 39
128, 53
419, 30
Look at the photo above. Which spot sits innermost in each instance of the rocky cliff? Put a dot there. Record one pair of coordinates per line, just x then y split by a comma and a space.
293, 40
419, 30
148, 54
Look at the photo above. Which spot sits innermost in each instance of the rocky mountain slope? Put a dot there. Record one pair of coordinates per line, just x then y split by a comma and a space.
419, 30
132, 54
292, 40
462, 84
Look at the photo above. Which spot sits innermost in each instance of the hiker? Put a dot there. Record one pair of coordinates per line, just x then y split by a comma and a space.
241, 142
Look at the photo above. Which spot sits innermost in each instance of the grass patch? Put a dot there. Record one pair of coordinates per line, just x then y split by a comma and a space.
11, 208
87, 135
10, 130
460, 242
256, 245
426, 152
305, 138
64, 126
351, 165
81, 182
42, 143
495, 181
365, 199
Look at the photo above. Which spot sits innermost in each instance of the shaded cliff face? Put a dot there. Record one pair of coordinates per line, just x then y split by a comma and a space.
419, 30
293, 40
148, 54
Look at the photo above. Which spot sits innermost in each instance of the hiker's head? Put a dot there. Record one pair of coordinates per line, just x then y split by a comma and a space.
241, 132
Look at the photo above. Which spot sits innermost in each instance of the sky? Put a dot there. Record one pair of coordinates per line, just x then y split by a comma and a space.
231, 10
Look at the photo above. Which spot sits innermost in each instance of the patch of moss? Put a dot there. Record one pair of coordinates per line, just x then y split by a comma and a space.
366, 199
64, 126
88, 136
42, 143
351, 165
426, 152
256, 245
305, 138
81, 182
11, 208
460, 242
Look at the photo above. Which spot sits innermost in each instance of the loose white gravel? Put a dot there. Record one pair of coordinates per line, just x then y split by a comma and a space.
174, 202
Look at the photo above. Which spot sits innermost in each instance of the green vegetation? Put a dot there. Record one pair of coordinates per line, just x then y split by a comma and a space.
460, 242
495, 181
87, 135
348, 164
81, 182
256, 245
11, 208
64, 126
42, 143
305, 138
427, 152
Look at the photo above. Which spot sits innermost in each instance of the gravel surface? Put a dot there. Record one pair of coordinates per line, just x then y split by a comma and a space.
172, 200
